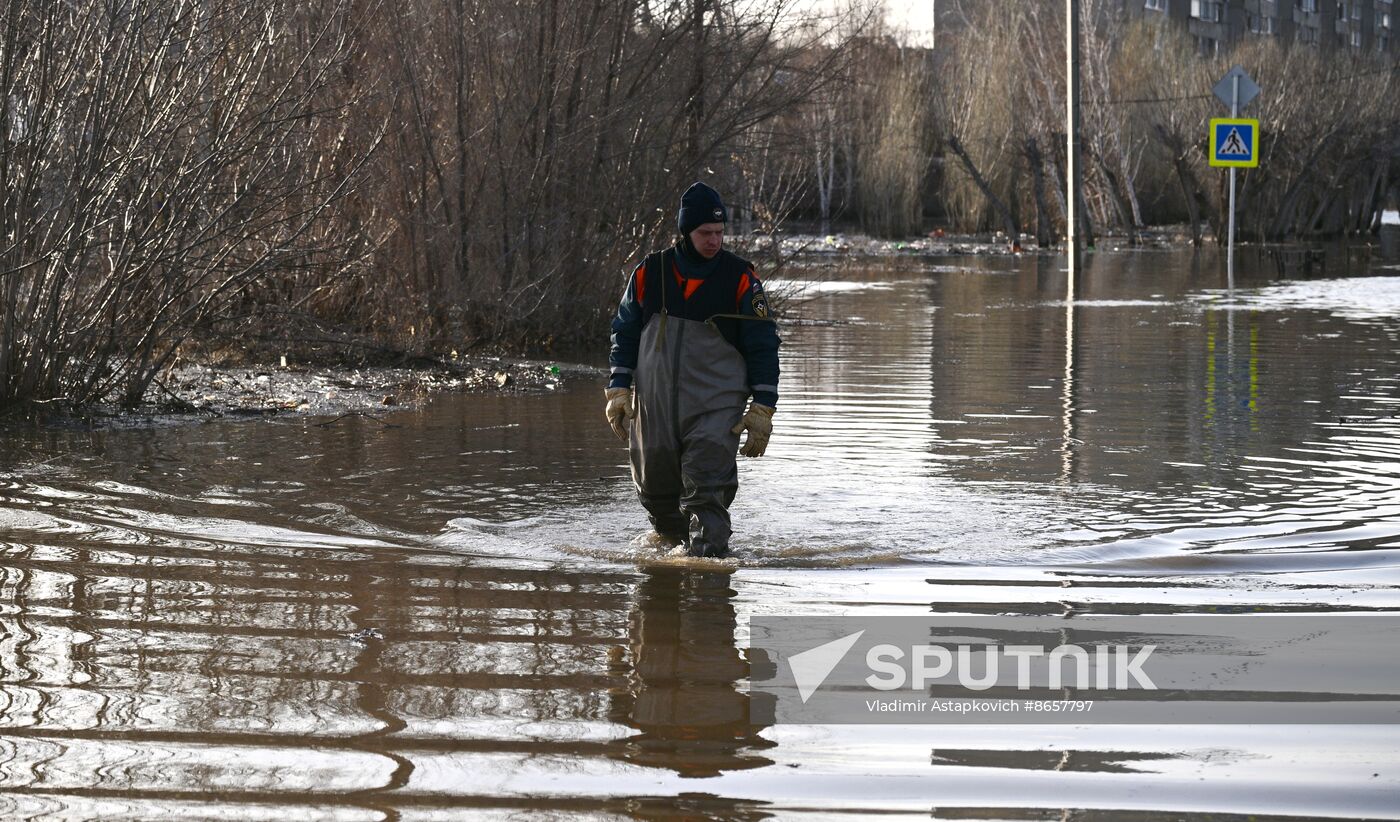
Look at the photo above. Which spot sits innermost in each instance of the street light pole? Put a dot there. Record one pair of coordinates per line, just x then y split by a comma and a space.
1073, 172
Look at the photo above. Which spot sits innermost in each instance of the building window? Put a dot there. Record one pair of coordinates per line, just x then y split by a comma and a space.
1207, 46
1356, 9
1155, 5
1263, 24
1385, 20
1309, 6
1356, 39
1207, 10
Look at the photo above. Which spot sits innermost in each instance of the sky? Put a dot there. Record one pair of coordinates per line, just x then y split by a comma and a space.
914, 15
913, 18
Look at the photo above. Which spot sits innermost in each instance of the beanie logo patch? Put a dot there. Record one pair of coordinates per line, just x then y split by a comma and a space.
719, 214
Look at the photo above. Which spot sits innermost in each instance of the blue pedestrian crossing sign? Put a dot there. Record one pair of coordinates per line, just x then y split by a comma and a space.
1234, 142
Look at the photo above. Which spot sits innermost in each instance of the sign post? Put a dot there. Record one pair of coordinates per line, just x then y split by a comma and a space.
1234, 143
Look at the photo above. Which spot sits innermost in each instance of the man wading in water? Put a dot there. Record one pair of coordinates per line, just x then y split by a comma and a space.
691, 343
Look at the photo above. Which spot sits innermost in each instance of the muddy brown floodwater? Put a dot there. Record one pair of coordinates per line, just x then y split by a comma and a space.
454, 616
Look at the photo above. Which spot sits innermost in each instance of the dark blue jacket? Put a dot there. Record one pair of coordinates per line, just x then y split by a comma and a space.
697, 291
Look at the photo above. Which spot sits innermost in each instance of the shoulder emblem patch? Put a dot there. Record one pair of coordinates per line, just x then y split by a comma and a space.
758, 300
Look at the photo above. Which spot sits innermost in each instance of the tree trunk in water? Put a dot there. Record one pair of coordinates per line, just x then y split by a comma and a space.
1059, 188
1122, 209
1279, 229
1005, 213
1015, 201
1197, 204
1131, 190
1288, 208
1086, 223
1193, 211
1328, 198
1043, 233
1367, 212
1212, 217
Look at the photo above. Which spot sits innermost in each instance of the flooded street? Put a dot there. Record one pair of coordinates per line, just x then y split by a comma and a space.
453, 613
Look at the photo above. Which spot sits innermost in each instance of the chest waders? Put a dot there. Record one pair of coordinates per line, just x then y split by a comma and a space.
691, 387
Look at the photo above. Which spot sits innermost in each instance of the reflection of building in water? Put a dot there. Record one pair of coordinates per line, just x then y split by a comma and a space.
682, 671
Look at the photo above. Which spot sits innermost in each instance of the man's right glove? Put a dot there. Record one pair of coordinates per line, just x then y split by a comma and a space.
759, 422
619, 410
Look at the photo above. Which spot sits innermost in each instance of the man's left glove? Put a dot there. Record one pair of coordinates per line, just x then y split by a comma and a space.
759, 423
619, 410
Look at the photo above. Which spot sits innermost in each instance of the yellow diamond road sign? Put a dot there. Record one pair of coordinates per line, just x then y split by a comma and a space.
1234, 142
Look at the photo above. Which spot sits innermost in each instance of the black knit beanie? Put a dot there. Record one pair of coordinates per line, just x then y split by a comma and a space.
700, 204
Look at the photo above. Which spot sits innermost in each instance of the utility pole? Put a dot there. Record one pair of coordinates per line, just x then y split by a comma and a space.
1073, 172
1074, 180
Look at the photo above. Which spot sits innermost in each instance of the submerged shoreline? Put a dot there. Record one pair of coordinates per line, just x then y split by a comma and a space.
209, 389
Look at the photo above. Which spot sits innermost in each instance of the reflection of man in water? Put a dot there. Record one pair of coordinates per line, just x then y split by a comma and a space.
681, 667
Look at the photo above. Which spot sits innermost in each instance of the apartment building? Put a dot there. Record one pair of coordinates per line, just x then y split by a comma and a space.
1331, 25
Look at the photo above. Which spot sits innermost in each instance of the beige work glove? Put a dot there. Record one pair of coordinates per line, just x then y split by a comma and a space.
619, 410
759, 423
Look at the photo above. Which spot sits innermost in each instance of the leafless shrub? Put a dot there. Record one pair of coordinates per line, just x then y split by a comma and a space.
155, 165
900, 150
980, 121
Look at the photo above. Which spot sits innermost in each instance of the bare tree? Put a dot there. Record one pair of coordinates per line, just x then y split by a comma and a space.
155, 166
901, 148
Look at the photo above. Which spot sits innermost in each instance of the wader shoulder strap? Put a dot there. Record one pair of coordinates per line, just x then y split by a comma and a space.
661, 265
654, 295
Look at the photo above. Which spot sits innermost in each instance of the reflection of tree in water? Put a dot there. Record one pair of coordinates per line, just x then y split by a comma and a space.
681, 668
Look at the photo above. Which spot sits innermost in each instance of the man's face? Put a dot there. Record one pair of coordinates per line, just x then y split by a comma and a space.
707, 239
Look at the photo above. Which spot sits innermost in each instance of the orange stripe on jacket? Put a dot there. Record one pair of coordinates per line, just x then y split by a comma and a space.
743, 286
688, 285
641, 283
